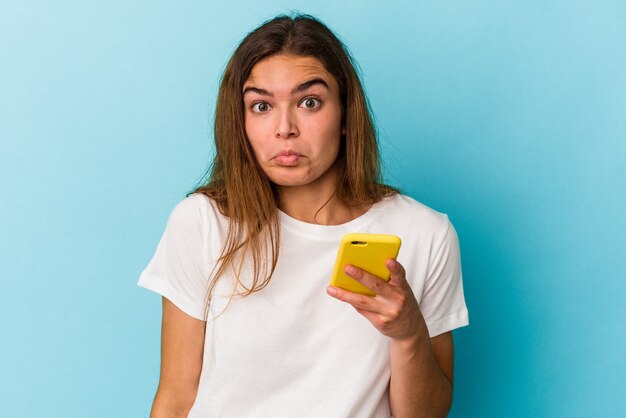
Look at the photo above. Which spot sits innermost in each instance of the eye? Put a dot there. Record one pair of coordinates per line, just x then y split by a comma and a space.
310, 103
260, 107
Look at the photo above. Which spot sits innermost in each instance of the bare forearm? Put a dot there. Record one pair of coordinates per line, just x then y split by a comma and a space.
421, 367
418, 387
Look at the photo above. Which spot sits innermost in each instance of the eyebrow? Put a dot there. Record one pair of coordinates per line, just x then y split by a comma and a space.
299, 88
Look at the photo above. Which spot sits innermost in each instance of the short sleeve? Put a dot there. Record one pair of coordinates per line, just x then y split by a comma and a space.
443, 302
179, 270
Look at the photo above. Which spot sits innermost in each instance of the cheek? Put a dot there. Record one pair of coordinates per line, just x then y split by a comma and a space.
254, 134
330, 137
334, 121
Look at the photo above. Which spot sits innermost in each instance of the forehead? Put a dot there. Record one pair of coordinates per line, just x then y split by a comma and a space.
287, 71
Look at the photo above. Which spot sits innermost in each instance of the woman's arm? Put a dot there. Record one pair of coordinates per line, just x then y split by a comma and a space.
182, 344
421, 376
421, 367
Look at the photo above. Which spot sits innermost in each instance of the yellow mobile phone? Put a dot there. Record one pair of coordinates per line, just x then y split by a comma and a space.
368, 252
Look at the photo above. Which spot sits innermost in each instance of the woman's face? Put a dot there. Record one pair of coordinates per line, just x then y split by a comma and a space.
293, 120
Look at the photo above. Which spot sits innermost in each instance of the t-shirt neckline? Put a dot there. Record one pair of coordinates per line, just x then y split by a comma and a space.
331, 232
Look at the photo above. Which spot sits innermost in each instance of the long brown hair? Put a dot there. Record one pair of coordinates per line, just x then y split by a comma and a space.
241, 190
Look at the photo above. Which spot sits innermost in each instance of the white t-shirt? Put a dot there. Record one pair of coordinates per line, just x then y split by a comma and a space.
291, 349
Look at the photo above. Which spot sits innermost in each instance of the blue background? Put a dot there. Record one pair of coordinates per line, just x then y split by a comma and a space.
508, 116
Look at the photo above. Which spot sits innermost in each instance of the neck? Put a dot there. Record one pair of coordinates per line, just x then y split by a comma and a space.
317, 204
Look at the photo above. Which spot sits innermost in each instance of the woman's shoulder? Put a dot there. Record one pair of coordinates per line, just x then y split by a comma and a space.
406, 210
195, 208
196, 201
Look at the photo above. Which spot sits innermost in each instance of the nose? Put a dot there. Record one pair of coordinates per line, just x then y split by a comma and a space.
286, 125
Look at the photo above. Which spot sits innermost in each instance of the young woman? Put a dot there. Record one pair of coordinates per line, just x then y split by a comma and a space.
250, 326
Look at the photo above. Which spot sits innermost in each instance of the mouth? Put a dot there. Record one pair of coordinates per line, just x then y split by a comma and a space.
287, 158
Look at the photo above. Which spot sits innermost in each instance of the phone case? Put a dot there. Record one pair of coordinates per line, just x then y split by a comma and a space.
368, 252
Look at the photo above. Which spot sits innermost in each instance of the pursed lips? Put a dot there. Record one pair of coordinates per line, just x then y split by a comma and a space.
287, 158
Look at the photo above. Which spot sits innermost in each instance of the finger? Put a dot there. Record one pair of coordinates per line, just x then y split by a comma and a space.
398, 275
357, 300
372, 282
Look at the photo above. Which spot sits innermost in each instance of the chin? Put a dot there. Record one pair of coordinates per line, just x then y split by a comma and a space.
281, 182
291, 177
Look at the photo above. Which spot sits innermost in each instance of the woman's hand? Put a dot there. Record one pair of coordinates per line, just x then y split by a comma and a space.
394, 310
421, 368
